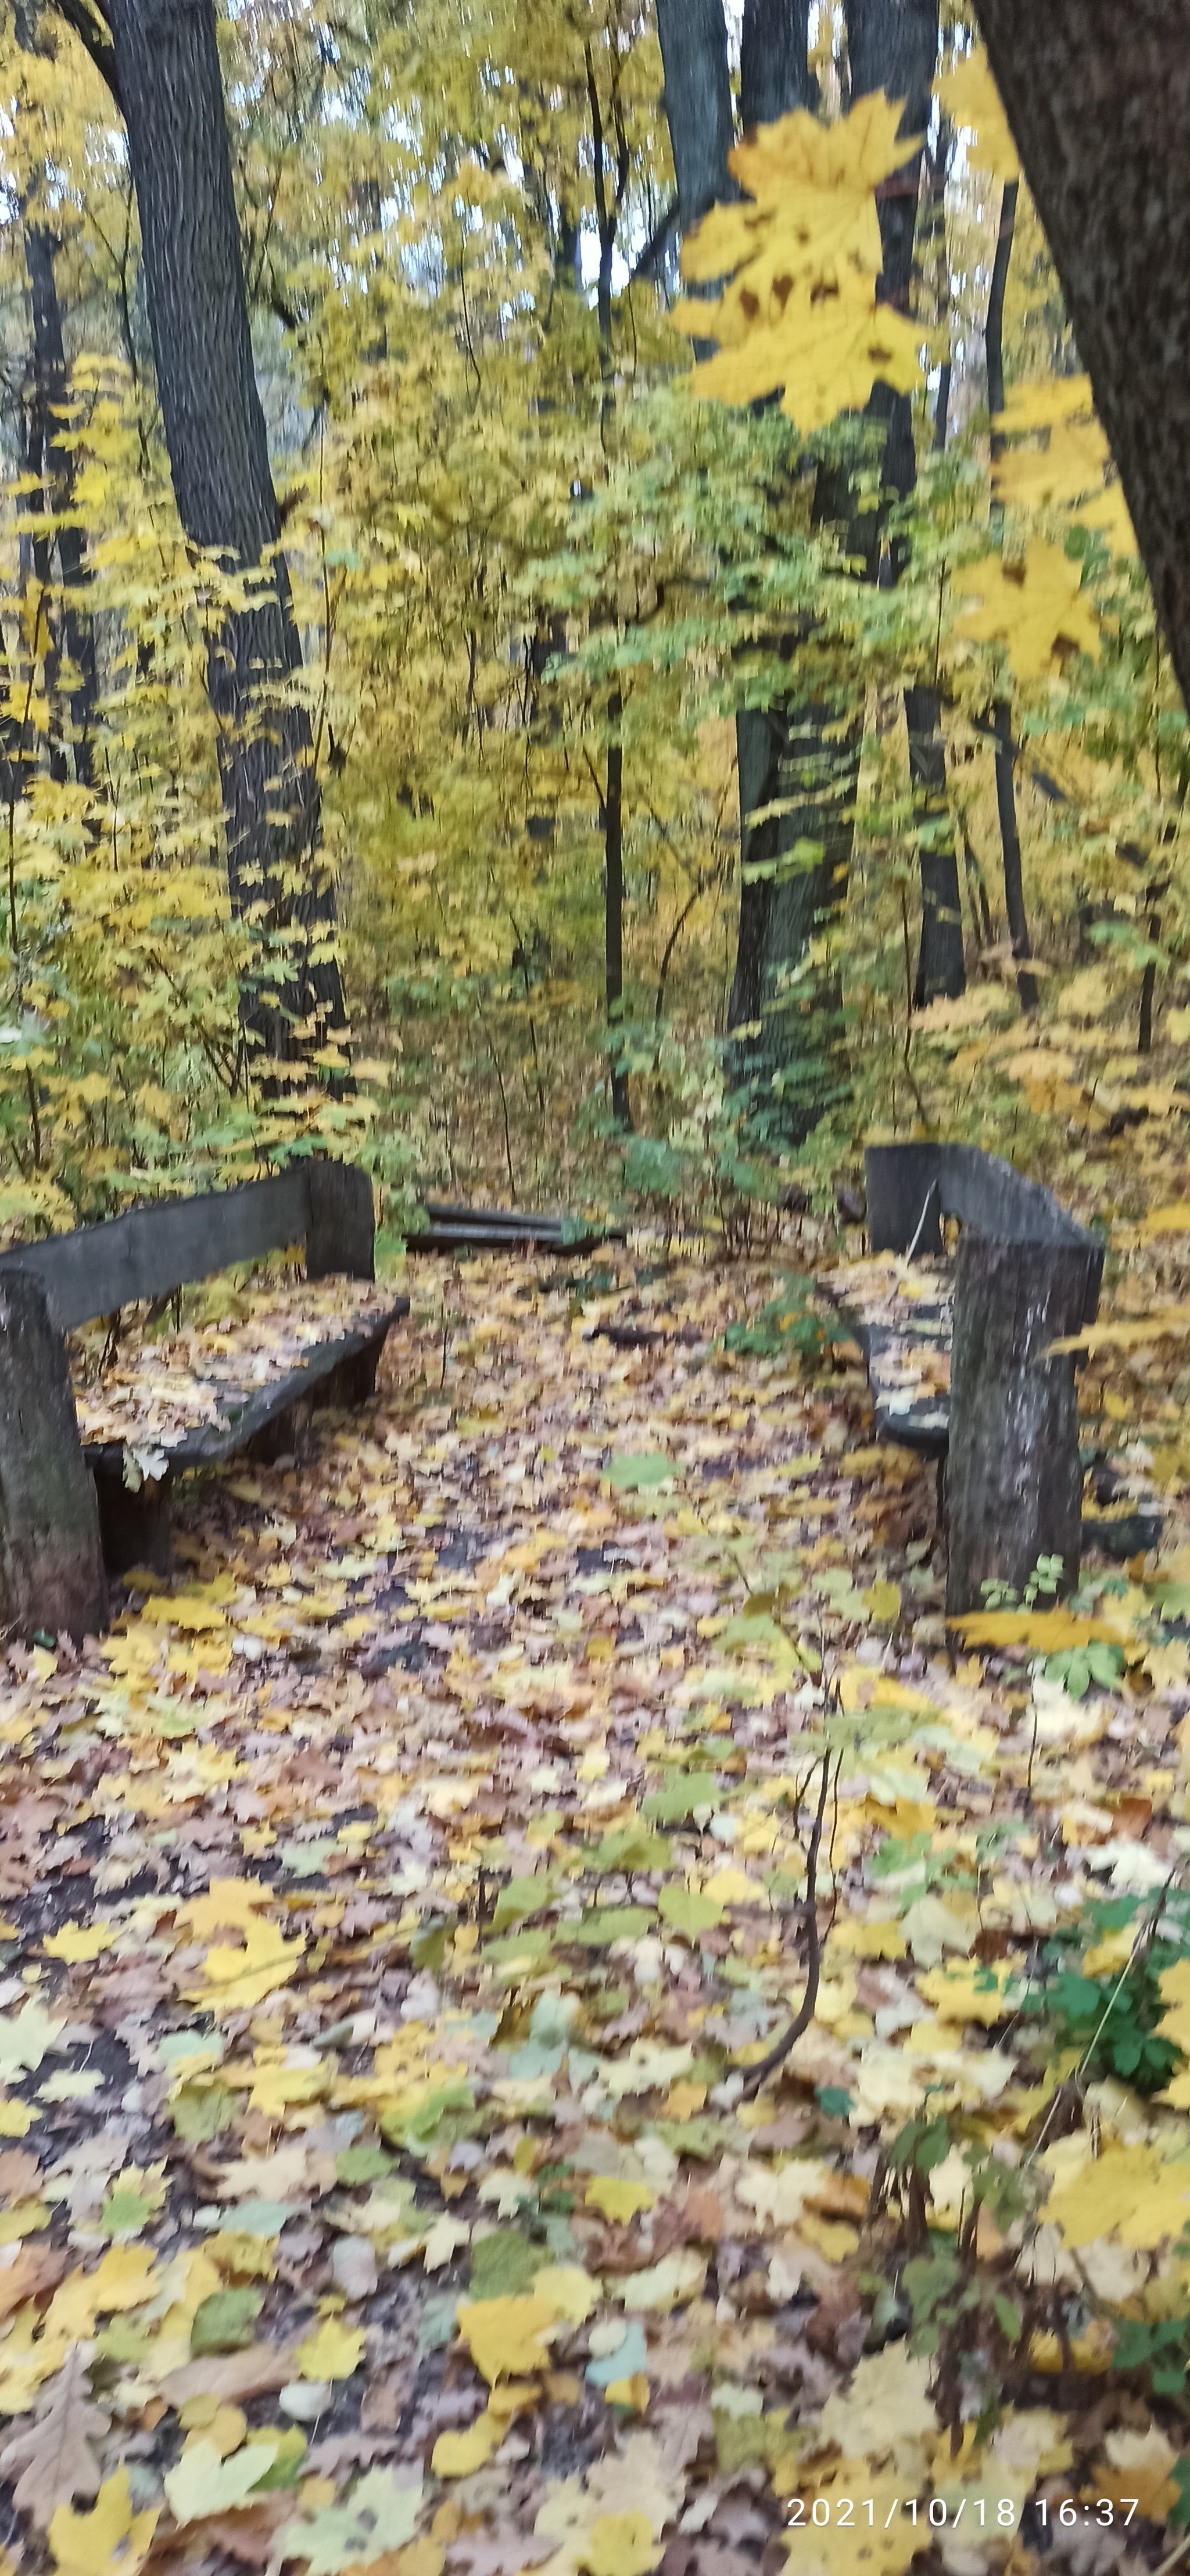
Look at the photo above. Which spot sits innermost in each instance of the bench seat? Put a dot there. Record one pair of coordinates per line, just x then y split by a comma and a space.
87, 1468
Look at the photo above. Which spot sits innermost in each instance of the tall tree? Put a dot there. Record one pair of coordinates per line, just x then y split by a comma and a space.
1098, 98
49, 455
161, 60
893, 45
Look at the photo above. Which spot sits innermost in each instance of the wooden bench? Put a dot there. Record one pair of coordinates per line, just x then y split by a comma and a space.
956, 1351
70, 1510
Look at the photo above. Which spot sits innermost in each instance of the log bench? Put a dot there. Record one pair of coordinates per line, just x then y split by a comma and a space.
77, 1503
956, 1351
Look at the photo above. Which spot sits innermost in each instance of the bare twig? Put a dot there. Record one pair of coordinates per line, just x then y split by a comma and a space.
804, 2015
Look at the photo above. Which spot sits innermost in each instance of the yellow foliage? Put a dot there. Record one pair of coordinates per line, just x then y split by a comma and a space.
1032, 605
800, 312
971, 99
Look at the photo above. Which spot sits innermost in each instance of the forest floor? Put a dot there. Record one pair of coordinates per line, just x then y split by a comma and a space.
398, 1906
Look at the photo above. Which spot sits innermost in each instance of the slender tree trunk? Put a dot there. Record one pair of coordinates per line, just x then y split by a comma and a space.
1010, 839
613, 910
49, 453
167, 65
1098, 97
894, 48
697, 101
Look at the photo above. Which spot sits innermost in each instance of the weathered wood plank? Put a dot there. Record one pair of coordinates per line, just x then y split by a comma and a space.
151, 1250
51, 1564
1014, 1477
911, 1187
247, 1411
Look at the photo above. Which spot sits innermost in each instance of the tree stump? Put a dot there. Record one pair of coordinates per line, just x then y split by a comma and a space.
51, 1566
1013, 1480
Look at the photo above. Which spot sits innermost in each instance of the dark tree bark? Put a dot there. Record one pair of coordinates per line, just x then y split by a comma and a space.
51, 392
1010, 839
50, 456
169, 84
697, 101
51, 1568
1098, 98
612, 819
774, 73
1013, 1479
895, 48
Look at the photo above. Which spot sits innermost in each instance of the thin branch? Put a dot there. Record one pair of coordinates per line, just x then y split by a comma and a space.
804, 2015
656, 246
91, 28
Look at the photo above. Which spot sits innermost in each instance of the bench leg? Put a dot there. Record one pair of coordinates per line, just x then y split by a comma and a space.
354, 1380
51, 1567
1013, 1478
137, 1528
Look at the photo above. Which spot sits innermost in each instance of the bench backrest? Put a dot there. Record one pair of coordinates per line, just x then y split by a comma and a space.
910, 1188
150, 1251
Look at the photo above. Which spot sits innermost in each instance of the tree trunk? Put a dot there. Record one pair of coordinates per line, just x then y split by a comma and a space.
170, 87
940, 966
1098, 98
895, 49
697, 101
51, 391
1013, 1478
1010, 839
51, 1568
612, 819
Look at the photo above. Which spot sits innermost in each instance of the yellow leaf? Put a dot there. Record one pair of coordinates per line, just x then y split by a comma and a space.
109, 2538
1049, 1631
971, 99
619, 2200
884, 1602
1033, 606
459, 2455
568, 2290
633, 2392
968, 1990
800, 310
1128, 2192
77, 1942
1170, 1322
507, 2336
1165, 1220
333, 2352
237, 1979
16, 2119
619, 2544
862, 1937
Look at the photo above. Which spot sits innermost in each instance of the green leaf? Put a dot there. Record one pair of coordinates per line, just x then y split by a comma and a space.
362, 2164
606, 1923
379, 2515
678, 1799
688, 1912
201, 2112
226, 2322
504, 2265
641, 1475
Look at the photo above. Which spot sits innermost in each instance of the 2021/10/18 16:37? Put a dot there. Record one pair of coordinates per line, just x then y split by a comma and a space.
1002, 2512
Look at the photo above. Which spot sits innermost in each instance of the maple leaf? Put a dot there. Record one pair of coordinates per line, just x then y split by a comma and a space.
379, 2515
204, 2483
803, 254
1032, 605
971, 100
54, 2458
109, 2541
506, 2337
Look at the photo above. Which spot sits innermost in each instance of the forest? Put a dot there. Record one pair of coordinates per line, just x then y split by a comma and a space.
679, 778
594, 1288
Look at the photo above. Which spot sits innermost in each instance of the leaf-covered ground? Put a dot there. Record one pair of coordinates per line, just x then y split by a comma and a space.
398, 1911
